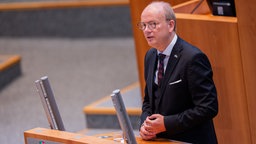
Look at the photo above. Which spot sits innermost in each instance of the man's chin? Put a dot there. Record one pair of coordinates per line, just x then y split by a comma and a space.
150, 43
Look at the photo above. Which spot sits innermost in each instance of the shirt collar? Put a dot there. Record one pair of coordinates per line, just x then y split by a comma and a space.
169, 48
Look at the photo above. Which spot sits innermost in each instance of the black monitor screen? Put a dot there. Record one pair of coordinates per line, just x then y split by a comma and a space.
222, 7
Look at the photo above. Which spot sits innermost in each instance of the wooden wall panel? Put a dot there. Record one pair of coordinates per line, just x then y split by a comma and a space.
218, 38
140, 42
246, 11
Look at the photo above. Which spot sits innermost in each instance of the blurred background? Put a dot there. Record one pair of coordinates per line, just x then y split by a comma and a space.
86, 52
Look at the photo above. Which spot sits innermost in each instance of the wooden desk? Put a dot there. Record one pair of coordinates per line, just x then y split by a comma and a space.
43, 135
139, 140
38, 135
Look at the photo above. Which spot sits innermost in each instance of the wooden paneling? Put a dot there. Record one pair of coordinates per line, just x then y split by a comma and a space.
140, 42
43, 134
218, 38
192, 6
246, 11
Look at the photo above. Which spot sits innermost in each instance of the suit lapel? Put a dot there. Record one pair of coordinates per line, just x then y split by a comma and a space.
151, 74
172, 62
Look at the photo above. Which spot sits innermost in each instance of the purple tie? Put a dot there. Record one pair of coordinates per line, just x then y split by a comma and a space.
160, 74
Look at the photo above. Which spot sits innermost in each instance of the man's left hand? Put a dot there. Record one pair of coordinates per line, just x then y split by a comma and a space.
155, 123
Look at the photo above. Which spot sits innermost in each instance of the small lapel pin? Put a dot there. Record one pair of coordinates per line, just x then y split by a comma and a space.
176, 56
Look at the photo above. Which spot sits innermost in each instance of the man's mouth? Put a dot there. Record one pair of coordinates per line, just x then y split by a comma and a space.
150, 38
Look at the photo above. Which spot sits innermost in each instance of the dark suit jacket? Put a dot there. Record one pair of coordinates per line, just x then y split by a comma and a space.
188, 95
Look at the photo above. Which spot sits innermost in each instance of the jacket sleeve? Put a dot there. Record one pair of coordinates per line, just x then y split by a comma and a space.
146, 107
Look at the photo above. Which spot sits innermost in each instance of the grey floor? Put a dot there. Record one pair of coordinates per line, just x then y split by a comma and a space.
80, 71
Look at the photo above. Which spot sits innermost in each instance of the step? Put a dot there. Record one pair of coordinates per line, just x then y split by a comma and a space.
10, 68
41, 4
71, 22
101, 114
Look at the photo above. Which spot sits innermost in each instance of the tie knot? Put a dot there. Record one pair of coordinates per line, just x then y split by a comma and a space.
161, 56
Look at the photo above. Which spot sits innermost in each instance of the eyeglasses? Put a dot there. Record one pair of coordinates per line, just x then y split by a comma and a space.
151, 25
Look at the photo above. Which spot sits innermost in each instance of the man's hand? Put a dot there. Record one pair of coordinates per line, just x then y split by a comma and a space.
145, 133
153, 125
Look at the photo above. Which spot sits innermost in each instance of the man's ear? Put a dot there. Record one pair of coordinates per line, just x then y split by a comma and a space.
171, 25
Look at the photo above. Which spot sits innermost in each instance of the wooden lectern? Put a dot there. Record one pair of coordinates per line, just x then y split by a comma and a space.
49, 136
228, 42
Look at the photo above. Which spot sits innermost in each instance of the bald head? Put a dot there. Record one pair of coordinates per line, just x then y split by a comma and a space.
161, 10
158, 24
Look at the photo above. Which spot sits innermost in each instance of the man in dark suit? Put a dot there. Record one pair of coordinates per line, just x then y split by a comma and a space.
180, 96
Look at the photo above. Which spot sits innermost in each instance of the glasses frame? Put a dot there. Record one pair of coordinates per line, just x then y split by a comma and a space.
151, 25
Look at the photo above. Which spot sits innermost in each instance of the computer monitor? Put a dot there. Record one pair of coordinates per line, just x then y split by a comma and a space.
124, 121
49, 104
222, 7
